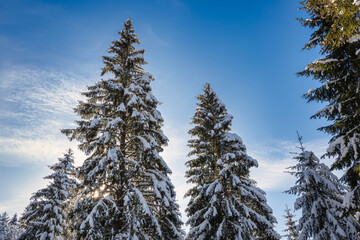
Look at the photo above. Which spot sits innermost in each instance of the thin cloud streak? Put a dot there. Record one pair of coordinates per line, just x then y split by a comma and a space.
41, 92
37, 104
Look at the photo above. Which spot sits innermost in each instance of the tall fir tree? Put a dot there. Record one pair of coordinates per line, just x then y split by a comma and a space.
125, 190
224, 201
335, 25
9, 228
291, 233
45, 217
14, 228
4, 220
320, 198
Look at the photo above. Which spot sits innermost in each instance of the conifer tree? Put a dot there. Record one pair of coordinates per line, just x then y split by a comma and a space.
320, 198
336, 31
4, 219
290, 223
12, 229
125, 190
224, 201
45, 217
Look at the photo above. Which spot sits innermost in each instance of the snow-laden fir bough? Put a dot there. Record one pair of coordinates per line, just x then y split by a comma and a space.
335, 26
125, 190
224, 201
321, 201
45, 217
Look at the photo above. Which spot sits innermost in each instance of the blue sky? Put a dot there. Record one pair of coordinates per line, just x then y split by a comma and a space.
249, 51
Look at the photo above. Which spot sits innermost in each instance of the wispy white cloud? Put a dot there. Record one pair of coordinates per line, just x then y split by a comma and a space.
274, 157
36, 104
35, 92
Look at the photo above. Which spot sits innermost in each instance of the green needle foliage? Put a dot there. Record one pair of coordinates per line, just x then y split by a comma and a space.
335, 29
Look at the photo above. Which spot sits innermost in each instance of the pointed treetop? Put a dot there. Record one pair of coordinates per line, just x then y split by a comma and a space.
128, 30
291, 232
128, 23
207, 87
208, 90
300, 141
126, 59
14, 219
211, 110
64, 165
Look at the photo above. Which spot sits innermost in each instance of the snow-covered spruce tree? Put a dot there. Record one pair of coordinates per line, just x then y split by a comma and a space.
12, 229
4, 220
125, 190
290, 223
336, 31
224, 201
320, 200
45, 217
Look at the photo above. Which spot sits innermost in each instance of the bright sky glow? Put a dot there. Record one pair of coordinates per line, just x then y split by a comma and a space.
249, 51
